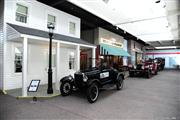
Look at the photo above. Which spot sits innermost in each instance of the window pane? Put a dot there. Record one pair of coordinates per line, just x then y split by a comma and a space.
18, 59
21, 18
72, 28
22, 9
71, 61
51, 19
21, 13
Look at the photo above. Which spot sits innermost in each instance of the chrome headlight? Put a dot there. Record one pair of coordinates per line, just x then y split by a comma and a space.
142, 67
70, 77
85, 78
134, 67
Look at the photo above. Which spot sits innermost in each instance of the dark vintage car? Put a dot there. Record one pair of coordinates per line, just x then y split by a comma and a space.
146, 69
91, 81
161, 63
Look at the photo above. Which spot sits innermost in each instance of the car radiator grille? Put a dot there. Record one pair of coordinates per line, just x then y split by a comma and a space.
78, 79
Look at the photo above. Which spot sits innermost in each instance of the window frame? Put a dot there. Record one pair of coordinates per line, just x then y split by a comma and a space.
27, 15
54, 18
13, 60
71, 59
74, 28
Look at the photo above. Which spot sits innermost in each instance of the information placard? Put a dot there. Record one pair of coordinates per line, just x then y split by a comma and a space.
33, 87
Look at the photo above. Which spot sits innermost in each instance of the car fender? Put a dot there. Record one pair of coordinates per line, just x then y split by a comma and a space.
120, 74
67, 78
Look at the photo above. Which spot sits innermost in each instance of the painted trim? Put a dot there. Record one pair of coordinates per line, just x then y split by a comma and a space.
54, 40
160, 53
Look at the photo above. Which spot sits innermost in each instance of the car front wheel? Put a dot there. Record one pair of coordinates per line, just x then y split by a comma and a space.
66, 88
92, 92
120, 83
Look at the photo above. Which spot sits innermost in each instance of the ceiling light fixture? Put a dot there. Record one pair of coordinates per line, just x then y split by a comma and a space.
166, 47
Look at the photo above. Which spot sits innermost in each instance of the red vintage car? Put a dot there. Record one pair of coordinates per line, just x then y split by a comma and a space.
145, 69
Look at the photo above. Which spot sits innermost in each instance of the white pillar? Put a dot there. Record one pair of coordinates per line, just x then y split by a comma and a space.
57, 64
93, 57
24, 67
78, 57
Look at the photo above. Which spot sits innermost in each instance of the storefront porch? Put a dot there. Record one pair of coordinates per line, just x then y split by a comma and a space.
34, 50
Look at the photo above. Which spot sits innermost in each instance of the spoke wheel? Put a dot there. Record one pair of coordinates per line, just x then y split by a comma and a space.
120, 83
92, 93
66, 88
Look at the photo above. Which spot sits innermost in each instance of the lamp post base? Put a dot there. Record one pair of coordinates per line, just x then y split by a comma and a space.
49, 91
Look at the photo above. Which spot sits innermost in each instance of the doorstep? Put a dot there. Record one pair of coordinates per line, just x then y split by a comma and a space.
41, 93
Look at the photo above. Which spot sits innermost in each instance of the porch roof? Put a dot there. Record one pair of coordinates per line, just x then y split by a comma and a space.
45, 34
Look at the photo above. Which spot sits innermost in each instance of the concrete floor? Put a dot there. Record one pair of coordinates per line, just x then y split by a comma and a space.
157, 98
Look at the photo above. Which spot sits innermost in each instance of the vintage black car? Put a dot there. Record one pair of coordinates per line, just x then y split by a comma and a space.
91, 81
161, 63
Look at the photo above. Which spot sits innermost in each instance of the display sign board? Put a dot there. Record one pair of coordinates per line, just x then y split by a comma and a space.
112, 42
33, 87
104, 75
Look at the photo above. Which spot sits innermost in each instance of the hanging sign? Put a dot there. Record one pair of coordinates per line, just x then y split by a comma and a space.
33, 87
112, 42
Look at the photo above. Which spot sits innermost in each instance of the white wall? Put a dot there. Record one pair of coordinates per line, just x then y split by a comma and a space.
37, 16
37, 53
1, 43
37, 64
64, 62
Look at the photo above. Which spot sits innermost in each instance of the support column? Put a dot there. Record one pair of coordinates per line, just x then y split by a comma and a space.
24, 67
93, 57
77, 58
57, 64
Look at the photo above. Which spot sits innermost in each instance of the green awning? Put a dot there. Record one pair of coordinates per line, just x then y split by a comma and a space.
113, 50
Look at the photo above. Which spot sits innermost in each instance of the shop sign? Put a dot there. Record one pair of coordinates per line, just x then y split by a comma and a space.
112, 42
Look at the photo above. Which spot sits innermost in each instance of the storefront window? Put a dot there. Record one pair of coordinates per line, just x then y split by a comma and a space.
71, 61
18, 59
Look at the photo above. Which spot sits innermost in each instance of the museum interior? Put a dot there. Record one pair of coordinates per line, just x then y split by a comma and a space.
90, 59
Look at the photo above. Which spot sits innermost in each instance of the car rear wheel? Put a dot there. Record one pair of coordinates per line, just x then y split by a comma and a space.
92, 92
120, 83
66, 88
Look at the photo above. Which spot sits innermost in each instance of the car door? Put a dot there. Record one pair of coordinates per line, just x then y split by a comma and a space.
105, 76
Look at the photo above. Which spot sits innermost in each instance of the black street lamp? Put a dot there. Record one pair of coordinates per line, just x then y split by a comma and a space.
50, 88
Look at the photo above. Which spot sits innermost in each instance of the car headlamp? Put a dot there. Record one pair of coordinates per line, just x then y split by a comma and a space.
85, 78
142, 67
134, 67
70, 77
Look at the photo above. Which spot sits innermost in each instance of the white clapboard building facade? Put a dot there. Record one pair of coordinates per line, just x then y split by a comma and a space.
24, 43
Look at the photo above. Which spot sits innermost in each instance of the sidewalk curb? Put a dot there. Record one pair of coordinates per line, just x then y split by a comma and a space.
27, 97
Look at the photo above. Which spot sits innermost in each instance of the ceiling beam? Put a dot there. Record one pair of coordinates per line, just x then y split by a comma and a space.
57, 2
141, 20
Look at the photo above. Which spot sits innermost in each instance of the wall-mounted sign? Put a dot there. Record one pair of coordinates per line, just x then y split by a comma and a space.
112, 42
33, 87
